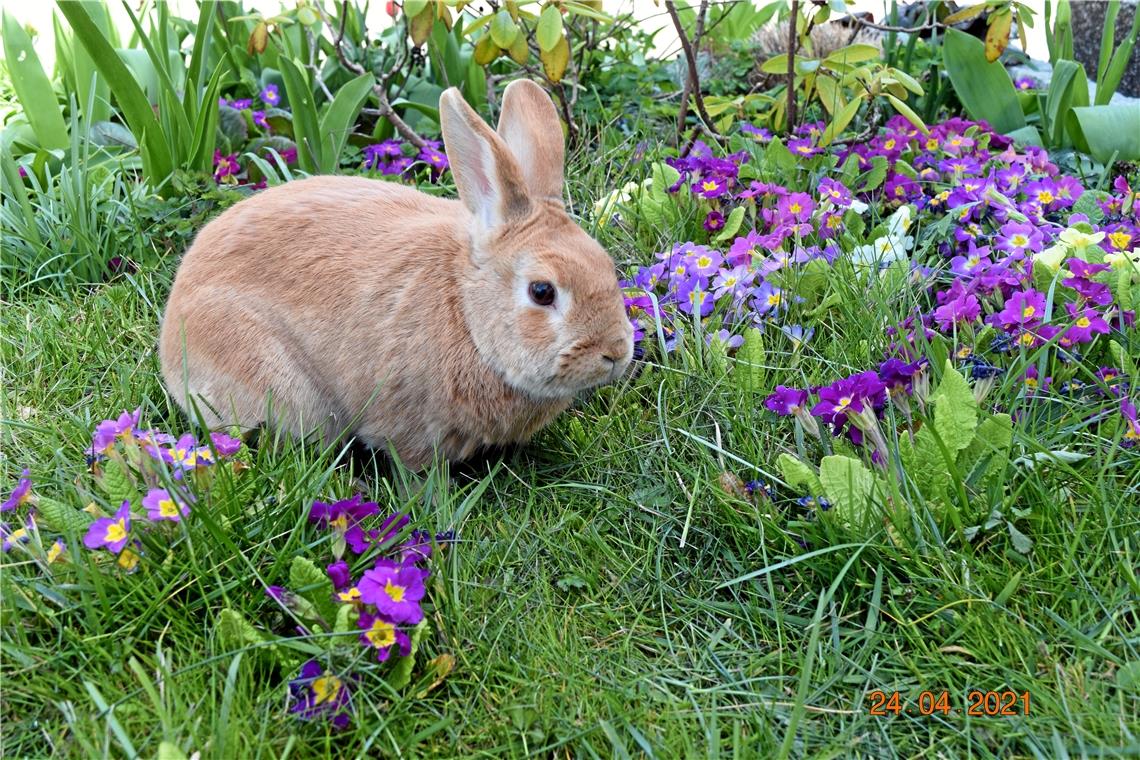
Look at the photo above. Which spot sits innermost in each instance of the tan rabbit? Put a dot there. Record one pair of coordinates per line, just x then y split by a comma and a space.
350, 305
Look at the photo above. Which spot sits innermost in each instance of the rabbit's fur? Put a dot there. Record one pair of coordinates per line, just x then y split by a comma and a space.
350, 305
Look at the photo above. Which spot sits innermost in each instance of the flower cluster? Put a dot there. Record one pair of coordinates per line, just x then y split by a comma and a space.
149, 477
390, 158
384, 604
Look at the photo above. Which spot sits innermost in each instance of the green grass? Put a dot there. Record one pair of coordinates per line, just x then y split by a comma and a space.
606, 597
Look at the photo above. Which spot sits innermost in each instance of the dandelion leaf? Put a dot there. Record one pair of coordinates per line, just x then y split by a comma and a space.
116, 483
749, 369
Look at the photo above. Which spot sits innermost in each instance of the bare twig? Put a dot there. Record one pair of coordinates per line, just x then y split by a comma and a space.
790, 114
691, 58
385, 110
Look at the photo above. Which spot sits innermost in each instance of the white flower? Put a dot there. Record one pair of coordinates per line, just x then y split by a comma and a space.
1124, 260
1081, 240
882, 251
1052, 257
898, 224
858, 206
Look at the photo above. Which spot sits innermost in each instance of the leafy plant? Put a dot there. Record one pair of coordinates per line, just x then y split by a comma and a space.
846, 80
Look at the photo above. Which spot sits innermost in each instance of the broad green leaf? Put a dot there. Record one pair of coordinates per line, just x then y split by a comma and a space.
549, 28
990, 446
850, 487
1108, 77
504, 30
340, 117
32, 86
955, 410
1067, 89
910, 115
305, 132
856, 53
168, 751
840, 121
731, 225
984, 88
799, 474
874, 176
413, 8
1110, 129
1021, 542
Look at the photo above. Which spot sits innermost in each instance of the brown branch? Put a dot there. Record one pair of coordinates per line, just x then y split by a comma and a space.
385, 110
690, 56
793, 45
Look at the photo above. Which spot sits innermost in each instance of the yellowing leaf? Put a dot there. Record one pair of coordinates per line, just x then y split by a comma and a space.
420, 26
259, 39
519, 52
486, 50
997, 35
555, 61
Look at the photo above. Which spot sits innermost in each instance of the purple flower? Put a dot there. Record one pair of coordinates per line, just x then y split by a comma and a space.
693, 296
767, 297
1017, 239
711, 187
395, 590
714, 221
726, 338
316, 694
960, 306
1023, 308
381, 634
1095, 292
270, 96
1026, 83
183, 454
12, 537
344, 518
744, 249
795, 207
22, 493
849, 396
797, 334
803, 146
225, 165
974, 263
1087, 322
1131, 425
417, 548
434, 158
760, 134
110, 532
109, 431
388, 530
703, 261
224, 444
241, 103
786, 401
161, 505
260, 120
834, 192
339, 574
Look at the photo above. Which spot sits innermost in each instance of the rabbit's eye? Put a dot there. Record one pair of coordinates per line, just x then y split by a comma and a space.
542, 293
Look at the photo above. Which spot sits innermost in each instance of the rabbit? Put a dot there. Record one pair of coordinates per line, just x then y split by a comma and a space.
417, 324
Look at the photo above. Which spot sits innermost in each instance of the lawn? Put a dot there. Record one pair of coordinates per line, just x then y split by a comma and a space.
696, 561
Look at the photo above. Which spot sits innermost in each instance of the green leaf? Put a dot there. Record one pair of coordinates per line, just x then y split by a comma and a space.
168, 751
503, 29
308, 580
235, 632
346, 616
62, 517
549, 28
158, 165
955, 410
799, 474
906, 111
401, 673
989, 448
749, 371
1109, 130
851, 489
116, 483
305, 132
984, 88
875, 176
340, 117
731, 225
841, 120
1068, 88
32, 86
1021, 542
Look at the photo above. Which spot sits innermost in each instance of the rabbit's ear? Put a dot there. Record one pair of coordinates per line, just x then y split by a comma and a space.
529, 125
489, 180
